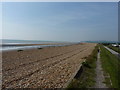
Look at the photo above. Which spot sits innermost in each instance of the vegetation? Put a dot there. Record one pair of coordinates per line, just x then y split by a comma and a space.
39, 48
110, 65
19, 50
87, 78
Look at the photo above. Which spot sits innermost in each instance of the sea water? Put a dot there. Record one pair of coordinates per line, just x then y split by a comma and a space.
11, 44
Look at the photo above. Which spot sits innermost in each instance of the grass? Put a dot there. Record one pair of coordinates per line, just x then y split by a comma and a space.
110, 65
87, 78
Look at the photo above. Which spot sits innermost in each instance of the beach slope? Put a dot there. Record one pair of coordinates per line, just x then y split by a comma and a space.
50, 67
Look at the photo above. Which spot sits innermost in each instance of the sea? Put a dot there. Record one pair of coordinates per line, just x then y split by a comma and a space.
7, 45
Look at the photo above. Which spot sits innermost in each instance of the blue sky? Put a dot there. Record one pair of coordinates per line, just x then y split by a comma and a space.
55, 21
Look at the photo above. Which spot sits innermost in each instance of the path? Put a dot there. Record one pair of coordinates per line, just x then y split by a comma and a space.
99, 74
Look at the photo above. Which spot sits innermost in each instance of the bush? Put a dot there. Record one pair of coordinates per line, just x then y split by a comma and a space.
85, 64
19, 50
39, 48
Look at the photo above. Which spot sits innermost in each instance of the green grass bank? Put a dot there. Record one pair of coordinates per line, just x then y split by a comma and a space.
110, 65
87, 78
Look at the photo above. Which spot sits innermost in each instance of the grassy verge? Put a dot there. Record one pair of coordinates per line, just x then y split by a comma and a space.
114, 48
110, 65
87, 78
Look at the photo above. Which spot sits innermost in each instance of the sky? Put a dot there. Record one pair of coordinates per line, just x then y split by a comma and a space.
60, 21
